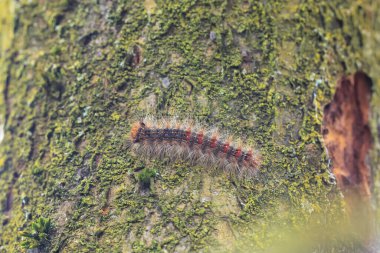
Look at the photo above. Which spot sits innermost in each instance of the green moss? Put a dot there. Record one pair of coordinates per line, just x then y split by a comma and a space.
37, 235
146, 176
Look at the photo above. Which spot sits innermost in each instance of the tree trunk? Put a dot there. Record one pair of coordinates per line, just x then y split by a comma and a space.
76, 74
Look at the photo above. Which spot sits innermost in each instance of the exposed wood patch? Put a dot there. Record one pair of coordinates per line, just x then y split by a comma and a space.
346, 132
347, 137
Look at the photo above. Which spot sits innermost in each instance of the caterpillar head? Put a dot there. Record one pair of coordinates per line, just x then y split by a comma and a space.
135, 130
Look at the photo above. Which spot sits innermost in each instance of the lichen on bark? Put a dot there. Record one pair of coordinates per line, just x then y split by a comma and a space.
78, 72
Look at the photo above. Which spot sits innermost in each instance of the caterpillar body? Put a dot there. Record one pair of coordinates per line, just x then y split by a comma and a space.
187, 140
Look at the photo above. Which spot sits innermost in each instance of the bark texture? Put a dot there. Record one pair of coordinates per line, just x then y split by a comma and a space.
75, 74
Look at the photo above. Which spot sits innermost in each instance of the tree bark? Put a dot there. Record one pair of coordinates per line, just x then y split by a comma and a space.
76, 74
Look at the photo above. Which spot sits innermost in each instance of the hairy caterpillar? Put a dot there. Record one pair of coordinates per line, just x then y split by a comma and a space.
189, 141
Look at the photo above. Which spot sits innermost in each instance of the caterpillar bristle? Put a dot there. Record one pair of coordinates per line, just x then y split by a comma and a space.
170, 137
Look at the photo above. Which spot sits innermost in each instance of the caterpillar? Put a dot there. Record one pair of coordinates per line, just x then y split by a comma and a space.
186, 140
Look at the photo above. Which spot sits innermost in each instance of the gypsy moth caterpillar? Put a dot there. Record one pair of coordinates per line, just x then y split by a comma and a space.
189, 140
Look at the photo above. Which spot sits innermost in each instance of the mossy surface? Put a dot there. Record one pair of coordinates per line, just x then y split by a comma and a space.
78, 72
